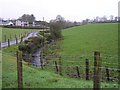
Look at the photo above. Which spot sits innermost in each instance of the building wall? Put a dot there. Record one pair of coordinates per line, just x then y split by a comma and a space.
21, 23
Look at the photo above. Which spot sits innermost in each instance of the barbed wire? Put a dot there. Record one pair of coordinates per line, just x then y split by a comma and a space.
71, 61
71, 55
83, 66
103, 77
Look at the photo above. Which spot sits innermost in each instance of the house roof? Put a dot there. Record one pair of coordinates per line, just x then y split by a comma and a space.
5, 22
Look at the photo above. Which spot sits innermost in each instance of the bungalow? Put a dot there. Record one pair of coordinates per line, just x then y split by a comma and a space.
6, 23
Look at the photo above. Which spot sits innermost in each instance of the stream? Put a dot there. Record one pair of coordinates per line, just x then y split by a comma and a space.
36, 58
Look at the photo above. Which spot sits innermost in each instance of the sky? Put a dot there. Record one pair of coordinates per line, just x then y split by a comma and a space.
73, 10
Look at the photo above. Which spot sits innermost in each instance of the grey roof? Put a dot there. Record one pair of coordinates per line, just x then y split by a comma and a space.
4, 22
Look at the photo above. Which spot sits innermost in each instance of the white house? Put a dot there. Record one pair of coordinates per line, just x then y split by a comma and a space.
21, 23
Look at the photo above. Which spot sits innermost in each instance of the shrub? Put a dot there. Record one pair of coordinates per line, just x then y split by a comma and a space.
55, 30
22, 47
48, 37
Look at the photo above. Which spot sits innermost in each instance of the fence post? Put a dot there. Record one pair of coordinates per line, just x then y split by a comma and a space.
87, 69
97, 64
107, 73
21, 38
16, 40
8, 42
19, 69
56, 66
78, 73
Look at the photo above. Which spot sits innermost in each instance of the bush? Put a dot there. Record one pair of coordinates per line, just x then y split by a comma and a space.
55, 30
48, 37
22, 47
30, 45
26, 41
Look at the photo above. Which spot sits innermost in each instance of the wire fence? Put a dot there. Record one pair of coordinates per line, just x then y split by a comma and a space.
71, 65
75, 67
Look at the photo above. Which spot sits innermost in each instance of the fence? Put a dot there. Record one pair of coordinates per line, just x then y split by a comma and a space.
15, 38
11, 37
89, 70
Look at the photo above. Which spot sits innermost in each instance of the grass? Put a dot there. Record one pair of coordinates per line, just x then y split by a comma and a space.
89, 38
37, 78
85, 40
77, 40
10, 33
81, 42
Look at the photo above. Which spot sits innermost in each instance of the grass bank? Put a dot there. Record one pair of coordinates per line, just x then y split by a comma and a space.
36, 77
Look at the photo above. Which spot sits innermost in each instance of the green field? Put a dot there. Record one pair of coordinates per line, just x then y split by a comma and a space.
85, 40
10, 33
89, 38
81, 42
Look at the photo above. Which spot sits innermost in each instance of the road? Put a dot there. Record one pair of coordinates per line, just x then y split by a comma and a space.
36, 59
5, 44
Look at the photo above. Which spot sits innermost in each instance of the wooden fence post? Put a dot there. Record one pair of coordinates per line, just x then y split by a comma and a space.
21, 39
78, 73
16, 40
56, 67
8, 42
97, 65
107, 73
87, 69
19, 69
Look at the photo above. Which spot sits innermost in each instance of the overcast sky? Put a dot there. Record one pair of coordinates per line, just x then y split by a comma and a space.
74, 10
